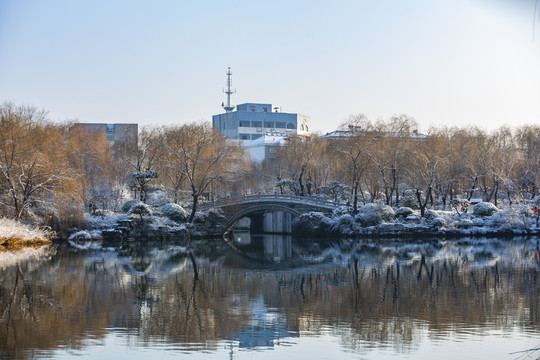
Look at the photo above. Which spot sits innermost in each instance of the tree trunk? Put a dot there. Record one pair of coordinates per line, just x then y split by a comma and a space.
394, 187
424, 203
388, 196
194, 208
473, 186
355, 197
300, 182
495, 191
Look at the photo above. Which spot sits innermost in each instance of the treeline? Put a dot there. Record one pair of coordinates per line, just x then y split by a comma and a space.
389, 161
53, 173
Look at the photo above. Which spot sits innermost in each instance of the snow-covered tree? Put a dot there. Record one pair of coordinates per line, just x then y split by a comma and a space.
202, 155
290, 184
356, 150
143, 158
336, 190
33, 163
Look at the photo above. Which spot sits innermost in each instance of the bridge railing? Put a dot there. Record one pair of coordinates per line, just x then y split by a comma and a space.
276, 197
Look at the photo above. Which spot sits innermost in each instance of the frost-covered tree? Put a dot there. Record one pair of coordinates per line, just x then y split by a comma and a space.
301, 160
90, 156
336, 190
527, 139
203, 156
356, 151
426, 161
290, 184
141, 210
33, 165
143, 158
397, 136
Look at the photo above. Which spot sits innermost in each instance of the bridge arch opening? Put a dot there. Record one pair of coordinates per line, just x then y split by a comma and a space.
273, 219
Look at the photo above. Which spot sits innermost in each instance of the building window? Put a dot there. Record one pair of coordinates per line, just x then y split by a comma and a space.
268, 124
265, 109
257, 124
244, 136
290, 126
255, 136
280, 125
272, 150
244, 123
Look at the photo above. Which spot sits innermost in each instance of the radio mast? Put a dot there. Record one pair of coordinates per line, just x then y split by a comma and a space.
229, 92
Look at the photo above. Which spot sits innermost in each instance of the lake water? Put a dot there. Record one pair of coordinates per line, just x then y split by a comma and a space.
274, 297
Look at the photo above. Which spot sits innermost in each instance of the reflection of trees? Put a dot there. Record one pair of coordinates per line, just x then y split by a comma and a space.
56, 304
75, 296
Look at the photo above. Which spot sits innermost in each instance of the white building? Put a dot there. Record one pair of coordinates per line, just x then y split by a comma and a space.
265, 146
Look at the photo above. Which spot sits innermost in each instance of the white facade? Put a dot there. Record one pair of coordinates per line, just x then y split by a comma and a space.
265, 147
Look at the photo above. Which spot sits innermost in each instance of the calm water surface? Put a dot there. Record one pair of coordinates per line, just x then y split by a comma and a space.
273, 297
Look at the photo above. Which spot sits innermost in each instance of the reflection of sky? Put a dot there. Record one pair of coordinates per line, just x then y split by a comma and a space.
327, 345
266, 328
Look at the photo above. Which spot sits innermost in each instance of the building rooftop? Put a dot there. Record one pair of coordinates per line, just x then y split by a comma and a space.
336, 134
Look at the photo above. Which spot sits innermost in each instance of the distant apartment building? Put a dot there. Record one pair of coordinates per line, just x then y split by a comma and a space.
114, 133
250, 121
260, 128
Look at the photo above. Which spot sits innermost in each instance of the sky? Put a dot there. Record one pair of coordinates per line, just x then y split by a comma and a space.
164, 62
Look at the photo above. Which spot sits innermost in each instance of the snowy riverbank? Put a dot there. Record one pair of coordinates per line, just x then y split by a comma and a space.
382, 220
14, 234
371, 220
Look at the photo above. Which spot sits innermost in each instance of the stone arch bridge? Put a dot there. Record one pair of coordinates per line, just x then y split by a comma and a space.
237, 208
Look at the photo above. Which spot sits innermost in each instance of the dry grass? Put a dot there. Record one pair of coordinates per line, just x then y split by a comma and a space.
14, 235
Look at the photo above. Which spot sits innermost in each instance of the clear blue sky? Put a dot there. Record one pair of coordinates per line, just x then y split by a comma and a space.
443, 62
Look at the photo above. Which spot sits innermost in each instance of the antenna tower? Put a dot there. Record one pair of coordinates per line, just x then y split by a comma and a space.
229, 92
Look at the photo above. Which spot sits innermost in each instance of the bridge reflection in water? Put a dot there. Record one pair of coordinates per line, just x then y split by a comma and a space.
272, 247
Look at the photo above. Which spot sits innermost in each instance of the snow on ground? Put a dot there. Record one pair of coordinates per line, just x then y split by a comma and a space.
11, 229
382, 220
108, 221
371, 220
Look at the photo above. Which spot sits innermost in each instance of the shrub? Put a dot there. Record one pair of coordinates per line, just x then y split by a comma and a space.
174, 212
460, 205
129, 204
340, 210
484, 209
430, 214
345, 220
313, 222
157, 197
140, 209
404, 212
84, 235
438, 223
408, 199
374, 214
